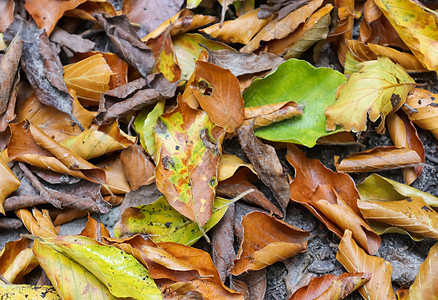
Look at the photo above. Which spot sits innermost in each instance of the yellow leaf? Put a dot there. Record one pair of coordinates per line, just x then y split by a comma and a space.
23, 291
8, 182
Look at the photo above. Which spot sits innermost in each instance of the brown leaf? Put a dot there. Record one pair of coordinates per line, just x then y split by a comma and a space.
38, 224
331, 287
256, 283
127, 43
66, 215
426, 105
354, 259
10, 223
115, 177
265, 115
331, 197
217, 91
264, 245
16, 260
377, 159
8, 182
278, 29
412, 215
340, 138
281, 7
265, 160
72, 41
240, 30
137, 167
7, 15
229, 165
243, 63
9, 68
403, 134
222, 243
344, 29
95, 230
46, 14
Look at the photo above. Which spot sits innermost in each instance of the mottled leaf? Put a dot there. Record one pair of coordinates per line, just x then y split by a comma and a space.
35, 292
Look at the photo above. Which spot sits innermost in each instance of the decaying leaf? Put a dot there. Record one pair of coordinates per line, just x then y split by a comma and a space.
188, 154
36, 292
296, 80
162, 223
378, 188
380, 158
264, 245
7, 16
331, 287
259, 116
426, 115
377, 89
354, 259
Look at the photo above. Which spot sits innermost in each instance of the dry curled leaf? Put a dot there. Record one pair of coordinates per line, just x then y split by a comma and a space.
38, 223
267, 114
16, 260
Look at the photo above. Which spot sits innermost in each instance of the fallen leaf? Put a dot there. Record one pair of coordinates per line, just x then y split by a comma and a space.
188, 178
10, 223
115, 177
95, 230
377, 159
217, 91
39, 224
137, 167
240, 30
424, 285
331, 287
296, 80
256, 283
193, 3
8, 182
67, 215
278, 29
266, 163
418, 29
264, 245
35, 292
16, 260
46, 14
403, 134
259, 116
426, 115
70, 279
331, 197
7, 16
229, 164
162, 223
187, 48
354, 259
377, 89
89, 77
412, 216
344, 29
74, 42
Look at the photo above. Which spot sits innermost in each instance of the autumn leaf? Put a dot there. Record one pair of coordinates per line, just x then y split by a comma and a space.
262, 246
95, 230
8, 182
38, 223
41, 292
137, 167
378, 188
354, 259
377, 89
217, 91
259, 116
229, 164
7, 7
412, 216
331, 287
188, 153
17, 260
416, 26
162, 223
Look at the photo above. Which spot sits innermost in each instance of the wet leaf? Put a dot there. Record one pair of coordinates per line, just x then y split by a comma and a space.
404, 134
264, 245
378, 188
162, 223
240, 30
426, 115
188, 153
377, 159
8, 182
377, 89
354, 259
36, 292
89, 77
331, 287
331, 197
137, 167
412, 216
298, 81
70, 279
218, 92
17, 260
418, 28
121, 273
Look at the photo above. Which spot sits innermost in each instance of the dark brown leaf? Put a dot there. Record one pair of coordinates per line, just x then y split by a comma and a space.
256, 283
72, 41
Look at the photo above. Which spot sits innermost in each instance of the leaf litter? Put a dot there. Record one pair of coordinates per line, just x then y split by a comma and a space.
148, 112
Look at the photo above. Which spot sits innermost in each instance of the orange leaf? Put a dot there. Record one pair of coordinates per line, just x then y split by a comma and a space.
16, 260
115, 177
39, 224
377, 159
218, 92
137, 167
95, 230
8, 182
354, 259
264, 245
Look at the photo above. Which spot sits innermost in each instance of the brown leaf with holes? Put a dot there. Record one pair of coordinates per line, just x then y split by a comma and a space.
354, 259
218, 92
264, 245
377, 159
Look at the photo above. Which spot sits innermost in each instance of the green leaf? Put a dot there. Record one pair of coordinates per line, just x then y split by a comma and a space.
187, 50
144, 125
296, 80
70, 279
376, 187
164, 224
120, 272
